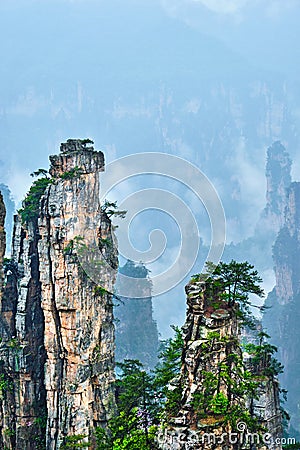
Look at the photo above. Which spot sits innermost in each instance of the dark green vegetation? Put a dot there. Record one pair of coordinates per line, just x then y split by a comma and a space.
295, 446
143, 400
146, 400
111, 209
242, 377
71, 174
75, 442
235, 281
31, 204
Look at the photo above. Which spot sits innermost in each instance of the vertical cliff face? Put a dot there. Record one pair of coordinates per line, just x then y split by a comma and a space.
79, 336
204, 351
278, 175
213, 380
286, 249
7, 344
2, 238
25, 357
57, 320
282, 319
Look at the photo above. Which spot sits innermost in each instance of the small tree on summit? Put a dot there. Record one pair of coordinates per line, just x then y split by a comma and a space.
40, 172
236, 282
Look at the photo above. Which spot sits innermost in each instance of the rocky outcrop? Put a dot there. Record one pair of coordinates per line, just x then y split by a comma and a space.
213, 376
59, 341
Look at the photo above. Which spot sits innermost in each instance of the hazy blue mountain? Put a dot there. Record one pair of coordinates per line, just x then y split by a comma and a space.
282, 319
136, 330
216, 88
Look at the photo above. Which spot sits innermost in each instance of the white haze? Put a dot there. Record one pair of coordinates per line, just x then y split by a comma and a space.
212, 81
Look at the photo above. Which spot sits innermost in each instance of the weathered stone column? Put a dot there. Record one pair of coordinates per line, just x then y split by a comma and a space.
213, 369
2, 239
56, 322
79, 330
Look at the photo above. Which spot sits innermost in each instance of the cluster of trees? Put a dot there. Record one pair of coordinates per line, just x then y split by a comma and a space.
143, 402
146, 400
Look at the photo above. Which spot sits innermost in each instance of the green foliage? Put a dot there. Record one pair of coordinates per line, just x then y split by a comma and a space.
295, 446
262, 357
75, 245
168, 371
69, 247
202, 400
235, 282
135, 388
74, 442
40, 172
170, 359
219, 403
134, 425
103, 439
100, 291
41, 422
71, 174
133, 439
105, 242
9, 432
31, 204
230, 407
5, 384
87, 141
111, 209
14, 344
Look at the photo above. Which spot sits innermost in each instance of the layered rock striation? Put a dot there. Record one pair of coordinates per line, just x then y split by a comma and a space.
57, 312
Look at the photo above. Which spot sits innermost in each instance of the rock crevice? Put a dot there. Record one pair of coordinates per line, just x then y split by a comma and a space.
57, 312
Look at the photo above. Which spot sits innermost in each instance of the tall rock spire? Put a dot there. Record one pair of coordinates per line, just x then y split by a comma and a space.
79, 332
2, 237
282, 319
278, 175
213, 396
62, 322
